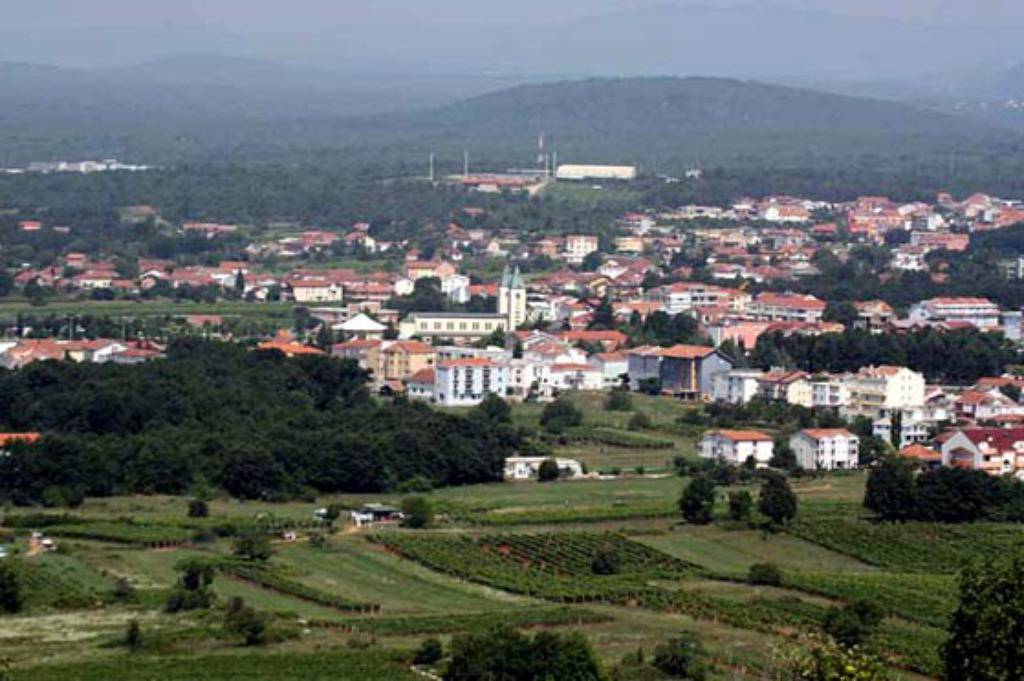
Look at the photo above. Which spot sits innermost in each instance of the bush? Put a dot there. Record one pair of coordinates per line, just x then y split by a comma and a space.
504, 653
430, 652
418, 512
559, 416
133, 636
605, 562
639, 421
548, 471
244, 622
254, 547
852, 624
11, 599
682, 658
197, 508
698, 501
764, 574
740, 505
619, 400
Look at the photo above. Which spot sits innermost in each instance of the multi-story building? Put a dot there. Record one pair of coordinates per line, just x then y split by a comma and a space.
317, 291
579, 246
828, 392
787, 307
401, 359
873, 315
738, 386
979, 312
465, 382
825, 449
791, 387
687, 370
737, 446
997, 451
612, 365
875, 391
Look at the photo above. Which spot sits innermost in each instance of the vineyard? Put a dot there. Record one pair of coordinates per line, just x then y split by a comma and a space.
554, 566
907, 547
266, 578
619, 438
151, 536
522, 618
563, 516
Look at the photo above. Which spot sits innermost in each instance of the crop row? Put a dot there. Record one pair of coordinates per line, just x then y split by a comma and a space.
268, 579
439, 624
123, 533
565, 516
620, 438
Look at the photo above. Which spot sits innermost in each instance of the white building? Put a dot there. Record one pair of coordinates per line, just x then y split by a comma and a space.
737, 386
612, 365
465, 382
317, 291
595, 172
528, 467
789, 307
736, 446
875, 391
576, 377
826, 449
579, 246
828, 392
980, 312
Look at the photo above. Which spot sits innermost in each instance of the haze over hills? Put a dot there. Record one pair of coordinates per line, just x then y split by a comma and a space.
203, 108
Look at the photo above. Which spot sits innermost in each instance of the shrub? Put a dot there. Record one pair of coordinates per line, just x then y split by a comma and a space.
764, 574
505, 653
133, 636
197, 508
418, 512
11, 599
619, 400
852, 624
430, 652
606, 562
559, 416
698, 501
254, 547
740, 505
124, 592
548, 471
244, 622
639, 421
682, 658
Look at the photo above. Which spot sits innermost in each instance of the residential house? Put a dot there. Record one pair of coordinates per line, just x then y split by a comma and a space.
997, 451
465, 382
737, 446
687, 370
875, 391
979, 312
791, 387
737, 386
612, 365
786, 307
528, 467
825, 449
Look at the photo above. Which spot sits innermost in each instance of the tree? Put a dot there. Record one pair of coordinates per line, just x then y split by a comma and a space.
197, 508
606, 562
851, 624
548, 471
11, 599
133, 636
604, 316
246, 623
559, 416
986, 633
776, 501
639, 421
494, 409
783, 456
740, 505
764, 574
698, 501
822, 659
253, 546
430, 652
890, 489
682, 658
239, 284
418, 513
592, 261
618, 400
193, 589
506, 654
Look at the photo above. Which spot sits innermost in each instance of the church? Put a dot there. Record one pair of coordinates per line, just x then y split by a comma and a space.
472, 326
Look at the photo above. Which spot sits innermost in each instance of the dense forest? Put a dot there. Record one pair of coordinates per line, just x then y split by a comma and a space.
253, 423
961, 356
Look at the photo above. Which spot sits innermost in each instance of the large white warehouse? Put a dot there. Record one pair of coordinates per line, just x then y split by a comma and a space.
584, 172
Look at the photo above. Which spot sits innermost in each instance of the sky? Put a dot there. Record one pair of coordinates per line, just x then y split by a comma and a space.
850, 39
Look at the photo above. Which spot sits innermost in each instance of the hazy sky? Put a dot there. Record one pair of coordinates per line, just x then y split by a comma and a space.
858, 39
255, 13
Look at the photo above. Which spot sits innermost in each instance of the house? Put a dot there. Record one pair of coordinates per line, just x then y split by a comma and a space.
401, 359
528, 467
921, 455
985, 405
791, 387
466, 381
882, 389
997, 451
9, 439
578, 247
612, 365
979, 312
687, 370
317, 291
576, 377
873, 315
644, 366
285, 344
420, 386
792, 307
609, 340
825, 449
361, 327
737, 386
737, 446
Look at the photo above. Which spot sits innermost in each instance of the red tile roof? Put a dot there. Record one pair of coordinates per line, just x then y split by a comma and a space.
742, 435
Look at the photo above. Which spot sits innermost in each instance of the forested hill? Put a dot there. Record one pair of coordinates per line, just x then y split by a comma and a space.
668, 106
253, 423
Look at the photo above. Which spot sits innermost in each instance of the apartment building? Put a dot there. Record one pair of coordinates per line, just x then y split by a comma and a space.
465, 382
825, 449
788, 307
875, 391
979, 312
737, 446
579, 246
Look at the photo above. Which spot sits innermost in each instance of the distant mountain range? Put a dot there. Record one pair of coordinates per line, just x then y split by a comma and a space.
199, 107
